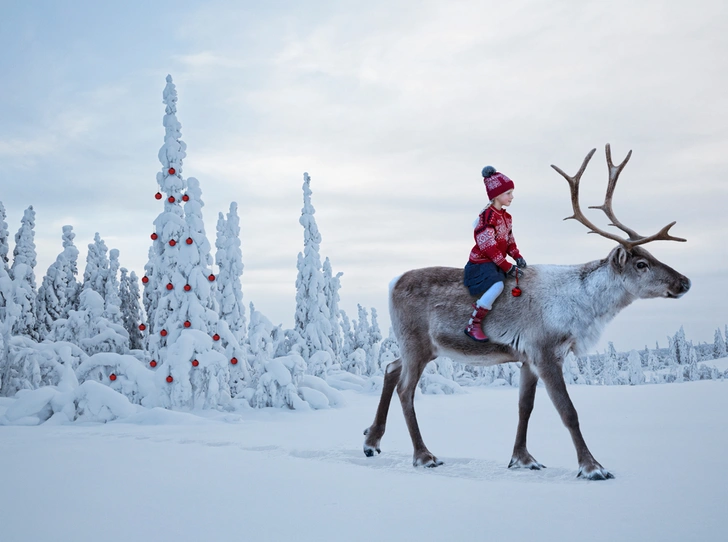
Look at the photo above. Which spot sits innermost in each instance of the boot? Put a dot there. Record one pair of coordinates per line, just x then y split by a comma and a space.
474, 329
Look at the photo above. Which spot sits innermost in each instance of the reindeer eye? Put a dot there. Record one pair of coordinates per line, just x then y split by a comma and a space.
642, 265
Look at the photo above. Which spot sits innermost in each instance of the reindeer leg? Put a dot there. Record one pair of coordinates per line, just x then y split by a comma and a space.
552, 376
375, 432
527, 392
406, 390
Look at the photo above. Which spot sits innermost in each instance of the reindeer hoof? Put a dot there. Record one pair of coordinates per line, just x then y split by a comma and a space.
528, 463
596, 472
426, 460
369, 451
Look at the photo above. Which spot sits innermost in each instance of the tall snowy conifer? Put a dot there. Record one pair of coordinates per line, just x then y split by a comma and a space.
131, 311
112, 300
312, 314
332, 285
23, 275
4, 237
229, 259
184, 335
97, 266
58, 292
719, 349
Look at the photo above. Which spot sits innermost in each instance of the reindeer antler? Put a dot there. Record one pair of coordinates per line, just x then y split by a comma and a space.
634, 238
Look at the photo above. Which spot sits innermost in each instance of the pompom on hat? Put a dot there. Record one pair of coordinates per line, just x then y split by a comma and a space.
495, 183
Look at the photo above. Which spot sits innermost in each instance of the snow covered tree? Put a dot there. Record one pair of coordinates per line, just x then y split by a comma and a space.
389, 350
312, 319
185, 338
719, 350
679, 348
112, 299
9, 313
229, 259
131, 311
332, 285
347, 343
97, 266
570, 368
636, 375
610, 368
23, 275
4, 237
58, 292
375, 337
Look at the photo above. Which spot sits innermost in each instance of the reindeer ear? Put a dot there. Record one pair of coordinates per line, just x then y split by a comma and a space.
619, 258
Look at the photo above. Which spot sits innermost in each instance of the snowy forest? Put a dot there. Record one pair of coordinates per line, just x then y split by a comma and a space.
97, 346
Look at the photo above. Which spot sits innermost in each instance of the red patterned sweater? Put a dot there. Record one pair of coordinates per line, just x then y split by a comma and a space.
494, 239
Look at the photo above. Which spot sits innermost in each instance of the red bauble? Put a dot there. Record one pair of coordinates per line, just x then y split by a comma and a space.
185, 198
187, 287
112, 377
171, 171
187, 323
189, 240
170, 379
158, 195
172, 242
142, 327
163, 333
211, 278
153, 363
169, 286
234, 361
170, 199
145, 279
516, 292
216, 337
155, 237
195, 363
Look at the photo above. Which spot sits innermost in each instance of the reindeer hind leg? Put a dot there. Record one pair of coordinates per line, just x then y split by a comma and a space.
375, 432
522, 459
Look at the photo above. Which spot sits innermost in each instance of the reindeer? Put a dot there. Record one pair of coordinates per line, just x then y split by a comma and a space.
563, 309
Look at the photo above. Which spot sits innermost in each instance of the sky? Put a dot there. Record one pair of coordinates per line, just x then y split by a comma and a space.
393, 108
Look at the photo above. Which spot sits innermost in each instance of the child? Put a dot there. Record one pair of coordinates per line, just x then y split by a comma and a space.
487, 266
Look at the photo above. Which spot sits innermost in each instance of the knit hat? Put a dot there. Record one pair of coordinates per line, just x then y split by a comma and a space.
495, 183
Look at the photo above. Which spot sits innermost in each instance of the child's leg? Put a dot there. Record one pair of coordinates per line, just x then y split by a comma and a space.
486, 300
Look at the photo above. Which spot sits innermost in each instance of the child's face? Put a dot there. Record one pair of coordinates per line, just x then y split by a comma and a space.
505, 199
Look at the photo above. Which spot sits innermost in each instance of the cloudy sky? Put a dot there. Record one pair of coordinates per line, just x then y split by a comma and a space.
393, 107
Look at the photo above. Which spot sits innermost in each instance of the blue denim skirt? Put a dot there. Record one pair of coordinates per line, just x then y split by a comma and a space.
478, 277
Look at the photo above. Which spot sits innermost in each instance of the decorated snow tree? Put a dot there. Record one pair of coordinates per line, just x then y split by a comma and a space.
332, 285
131, 311
229, 260
4, 237
183, 328
23, 275
58, 292
312, 314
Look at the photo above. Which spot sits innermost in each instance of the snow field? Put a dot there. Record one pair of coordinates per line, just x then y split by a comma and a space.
271, 474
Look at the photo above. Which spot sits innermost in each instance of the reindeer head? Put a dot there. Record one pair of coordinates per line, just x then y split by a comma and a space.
643, 275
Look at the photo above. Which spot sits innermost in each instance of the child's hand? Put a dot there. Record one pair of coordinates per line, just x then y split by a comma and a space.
520, 262
513, 271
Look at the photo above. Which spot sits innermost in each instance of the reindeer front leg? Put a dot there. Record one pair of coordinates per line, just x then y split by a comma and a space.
527, 392
553, 378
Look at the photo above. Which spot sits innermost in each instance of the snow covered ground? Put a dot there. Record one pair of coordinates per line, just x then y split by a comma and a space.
283, 475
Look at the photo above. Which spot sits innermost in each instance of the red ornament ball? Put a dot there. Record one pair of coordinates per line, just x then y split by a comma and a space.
169, 286
187, 287
172, 242
142, 327
153, 363
155, 237
216, 337
516, 292
234, 361
158, 195
145, 279
170, 199
112, 377
185, 198
189, 240
187, 323
163, 333
171, 171
211, 278
195, 363
170, 379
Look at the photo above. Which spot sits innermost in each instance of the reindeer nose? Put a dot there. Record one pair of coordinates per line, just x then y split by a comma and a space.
685, 283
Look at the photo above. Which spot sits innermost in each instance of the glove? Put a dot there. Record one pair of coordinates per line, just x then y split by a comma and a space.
513, 271
520, 262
